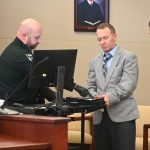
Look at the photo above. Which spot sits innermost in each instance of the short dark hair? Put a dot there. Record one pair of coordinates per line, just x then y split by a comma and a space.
106, 25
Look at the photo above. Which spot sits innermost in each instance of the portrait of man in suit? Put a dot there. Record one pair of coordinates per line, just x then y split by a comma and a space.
90, 12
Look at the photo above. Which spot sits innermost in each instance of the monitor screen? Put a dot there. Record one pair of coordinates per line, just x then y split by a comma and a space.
45, 68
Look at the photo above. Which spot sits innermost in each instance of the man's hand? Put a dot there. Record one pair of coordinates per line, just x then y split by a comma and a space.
106, 99
82, 91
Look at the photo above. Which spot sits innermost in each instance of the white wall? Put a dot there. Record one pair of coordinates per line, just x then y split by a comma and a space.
130, 19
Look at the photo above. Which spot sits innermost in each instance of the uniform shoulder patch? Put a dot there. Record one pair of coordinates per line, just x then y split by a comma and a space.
29, 56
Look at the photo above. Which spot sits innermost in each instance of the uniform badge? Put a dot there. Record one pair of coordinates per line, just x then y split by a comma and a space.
29, 56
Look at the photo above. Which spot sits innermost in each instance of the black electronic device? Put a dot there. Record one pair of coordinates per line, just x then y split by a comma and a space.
68, 106
45, 68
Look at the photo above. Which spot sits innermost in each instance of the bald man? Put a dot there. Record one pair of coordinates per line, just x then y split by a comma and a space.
15, 66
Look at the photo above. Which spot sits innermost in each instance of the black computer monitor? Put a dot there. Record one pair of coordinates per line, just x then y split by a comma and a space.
45, 68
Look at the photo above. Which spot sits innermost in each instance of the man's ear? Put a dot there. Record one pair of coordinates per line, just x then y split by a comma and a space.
115, 36
23, 35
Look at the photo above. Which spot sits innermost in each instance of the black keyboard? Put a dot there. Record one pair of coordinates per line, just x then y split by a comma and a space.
78, 101
79, 104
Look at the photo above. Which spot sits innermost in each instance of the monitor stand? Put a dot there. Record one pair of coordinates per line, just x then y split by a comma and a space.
60, 87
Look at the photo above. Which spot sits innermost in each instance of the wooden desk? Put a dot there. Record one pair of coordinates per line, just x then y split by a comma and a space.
35, 132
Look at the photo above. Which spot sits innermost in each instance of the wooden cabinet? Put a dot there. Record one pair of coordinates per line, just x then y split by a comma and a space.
33, 132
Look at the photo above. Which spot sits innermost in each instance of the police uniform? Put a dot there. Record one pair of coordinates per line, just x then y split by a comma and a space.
15, 66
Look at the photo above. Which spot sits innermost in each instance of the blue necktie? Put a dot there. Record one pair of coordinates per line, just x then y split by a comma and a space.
106, 57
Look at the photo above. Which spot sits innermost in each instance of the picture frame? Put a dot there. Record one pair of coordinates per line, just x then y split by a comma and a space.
88, 16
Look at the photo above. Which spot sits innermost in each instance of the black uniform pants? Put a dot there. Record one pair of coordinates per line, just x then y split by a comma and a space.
110, 135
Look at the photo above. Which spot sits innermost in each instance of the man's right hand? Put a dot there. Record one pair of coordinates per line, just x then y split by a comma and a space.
106, 99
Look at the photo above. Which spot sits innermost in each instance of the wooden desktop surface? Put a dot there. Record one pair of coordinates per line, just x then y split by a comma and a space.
33, 131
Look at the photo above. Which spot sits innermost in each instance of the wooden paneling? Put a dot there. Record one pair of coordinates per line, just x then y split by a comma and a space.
33, 130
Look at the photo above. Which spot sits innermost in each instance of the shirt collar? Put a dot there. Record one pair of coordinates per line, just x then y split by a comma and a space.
25, 46
112, 52
90, 3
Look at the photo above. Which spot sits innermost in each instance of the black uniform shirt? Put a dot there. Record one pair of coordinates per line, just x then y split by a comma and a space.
15, 67
15, 64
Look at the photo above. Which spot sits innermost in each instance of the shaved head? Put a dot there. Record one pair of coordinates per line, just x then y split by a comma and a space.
29, 25
28, 31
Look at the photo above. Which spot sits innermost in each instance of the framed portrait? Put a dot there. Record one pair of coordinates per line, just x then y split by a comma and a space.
88, 14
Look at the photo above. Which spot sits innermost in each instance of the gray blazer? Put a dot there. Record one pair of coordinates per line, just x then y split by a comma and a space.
119, 85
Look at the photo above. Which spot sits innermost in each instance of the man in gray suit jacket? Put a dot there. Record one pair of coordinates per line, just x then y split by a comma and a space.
114, 127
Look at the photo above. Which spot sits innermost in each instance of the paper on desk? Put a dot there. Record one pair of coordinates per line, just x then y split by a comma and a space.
1, 102
6, 111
